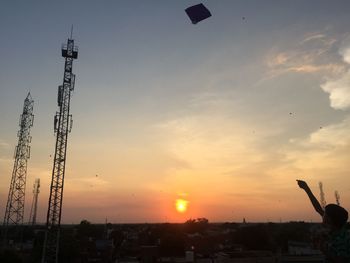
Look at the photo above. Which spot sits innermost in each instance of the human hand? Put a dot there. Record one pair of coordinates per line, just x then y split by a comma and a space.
302, 184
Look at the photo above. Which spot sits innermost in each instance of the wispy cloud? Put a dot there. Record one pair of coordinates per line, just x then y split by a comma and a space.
314, 54
87, 184
3, 144
302, 63
330, 136
5, 160
324, 152
278, 59
309, 68
311, 37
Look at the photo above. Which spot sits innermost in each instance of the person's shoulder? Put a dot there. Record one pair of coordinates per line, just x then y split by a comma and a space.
346, 237
341, 237
346, 230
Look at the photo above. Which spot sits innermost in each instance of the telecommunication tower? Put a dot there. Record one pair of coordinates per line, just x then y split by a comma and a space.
15, 202
33, 210
62, 126
337, 197
322, 197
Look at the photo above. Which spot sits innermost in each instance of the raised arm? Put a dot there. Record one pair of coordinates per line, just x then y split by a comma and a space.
313, 199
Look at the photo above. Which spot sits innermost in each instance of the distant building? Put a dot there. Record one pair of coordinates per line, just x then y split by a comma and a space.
189, 256
246, 257
149, 254
301, 248
302, 259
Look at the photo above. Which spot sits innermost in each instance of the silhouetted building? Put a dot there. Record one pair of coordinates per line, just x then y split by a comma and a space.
149, 254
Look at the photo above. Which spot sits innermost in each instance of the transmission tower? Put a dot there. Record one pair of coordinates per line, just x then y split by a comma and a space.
33, 210
337, 197
62, 126
15, 202
322, 196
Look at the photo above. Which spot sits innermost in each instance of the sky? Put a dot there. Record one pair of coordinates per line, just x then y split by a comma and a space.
225, 114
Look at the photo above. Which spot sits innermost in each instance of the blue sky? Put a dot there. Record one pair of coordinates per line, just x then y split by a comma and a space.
165, 109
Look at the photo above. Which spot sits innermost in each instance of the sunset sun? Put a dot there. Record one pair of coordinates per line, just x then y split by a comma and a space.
181, 205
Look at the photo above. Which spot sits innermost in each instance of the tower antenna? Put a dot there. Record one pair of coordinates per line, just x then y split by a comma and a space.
15, 202
322, 196
34, 209
337, 197
71, 32
62, 126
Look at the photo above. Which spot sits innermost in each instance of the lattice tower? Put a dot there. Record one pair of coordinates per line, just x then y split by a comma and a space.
322, 196
14, 212
62, 126
337, 197
34, 208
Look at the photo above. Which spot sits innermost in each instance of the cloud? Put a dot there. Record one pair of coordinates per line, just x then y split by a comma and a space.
344, 50
339, 88
318, 39
335, 135
345, 53
325, 138
88, 184
3, 144
313, 37
314, 54
302, 62
215, 144
6, 160
283, 63
324, 151
309, 68
339, 91
278, 59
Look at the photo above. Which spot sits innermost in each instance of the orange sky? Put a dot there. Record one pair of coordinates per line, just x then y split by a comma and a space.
225, 114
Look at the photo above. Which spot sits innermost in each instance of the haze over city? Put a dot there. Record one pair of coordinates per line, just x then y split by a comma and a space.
224, 115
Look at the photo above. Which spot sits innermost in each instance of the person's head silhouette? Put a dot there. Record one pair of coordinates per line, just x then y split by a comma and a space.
335, 216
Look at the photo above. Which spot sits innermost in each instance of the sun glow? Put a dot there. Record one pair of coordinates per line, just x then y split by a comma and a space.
181, 205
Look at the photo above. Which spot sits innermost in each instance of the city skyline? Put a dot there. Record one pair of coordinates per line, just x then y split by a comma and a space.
224, 115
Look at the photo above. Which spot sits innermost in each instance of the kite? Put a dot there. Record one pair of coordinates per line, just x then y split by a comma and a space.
197, 13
